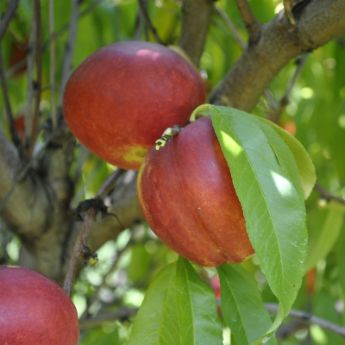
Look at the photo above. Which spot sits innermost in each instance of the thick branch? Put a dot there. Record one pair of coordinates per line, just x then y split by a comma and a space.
196, 17
321, 21
23, 202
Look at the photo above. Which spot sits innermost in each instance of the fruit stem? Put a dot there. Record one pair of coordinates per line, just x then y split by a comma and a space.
167, 134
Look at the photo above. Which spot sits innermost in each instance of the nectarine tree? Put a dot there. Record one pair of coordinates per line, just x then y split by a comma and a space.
224, 192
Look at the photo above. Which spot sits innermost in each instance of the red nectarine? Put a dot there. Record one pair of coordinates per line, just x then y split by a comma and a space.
34, 310
122, 97
188, 198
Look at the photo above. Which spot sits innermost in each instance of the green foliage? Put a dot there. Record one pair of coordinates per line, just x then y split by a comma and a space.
179, 308
242, 306
324, 232
273, 208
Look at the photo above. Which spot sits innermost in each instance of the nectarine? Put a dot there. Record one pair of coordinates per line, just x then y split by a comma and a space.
188, 198
122, 97
34, 310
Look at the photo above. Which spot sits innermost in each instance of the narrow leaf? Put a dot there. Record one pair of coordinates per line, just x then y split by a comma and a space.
242, 306
285, 157
178, 309
324, 237
340, 255
273, 208
304, 163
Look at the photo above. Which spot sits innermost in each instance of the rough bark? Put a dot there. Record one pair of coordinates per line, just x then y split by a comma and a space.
196, 17
23, 200
320, 21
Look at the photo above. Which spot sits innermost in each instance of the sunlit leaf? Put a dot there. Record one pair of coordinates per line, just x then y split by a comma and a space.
273, 208
302, 159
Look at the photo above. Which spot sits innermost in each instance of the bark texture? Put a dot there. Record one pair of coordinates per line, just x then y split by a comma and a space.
279, 43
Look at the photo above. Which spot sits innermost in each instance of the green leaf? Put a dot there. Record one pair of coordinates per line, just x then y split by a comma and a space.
303, 161
273, 208
324, 236
340, 255
283, 154
178, 309
242, 306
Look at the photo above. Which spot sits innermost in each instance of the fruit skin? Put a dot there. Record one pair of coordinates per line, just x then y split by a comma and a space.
122, 97
35, 310
188, 198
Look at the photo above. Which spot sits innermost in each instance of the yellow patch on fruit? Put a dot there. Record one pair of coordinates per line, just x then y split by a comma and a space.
134, 154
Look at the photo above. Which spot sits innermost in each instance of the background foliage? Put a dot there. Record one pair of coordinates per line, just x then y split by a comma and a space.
108, 292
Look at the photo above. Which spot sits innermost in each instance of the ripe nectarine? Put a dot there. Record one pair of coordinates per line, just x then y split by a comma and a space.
188, 198
34, 310
122, 97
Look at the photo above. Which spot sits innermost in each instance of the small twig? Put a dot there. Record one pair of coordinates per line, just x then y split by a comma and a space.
115, 261
271, 101
13, 4
232, 28
287, 329
79, 248
37, 84
99, 320
67, 62
55, 35
32, 84
288, 6
252, 25
8, 108
88, 212
310, 319
52, 63
277, 110
145, 14
329, 196
109, 183
66, 26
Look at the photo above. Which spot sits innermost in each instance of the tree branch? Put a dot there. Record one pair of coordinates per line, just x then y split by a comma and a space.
310, 319
123, 212
23, 202
232, 28
67, 62
52, 64
196, 17
99, 320
36, 86
252, 25
288, 6
123, 203
8, 108
321, 21
8, 16
145, 15
324, 194
276, 111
